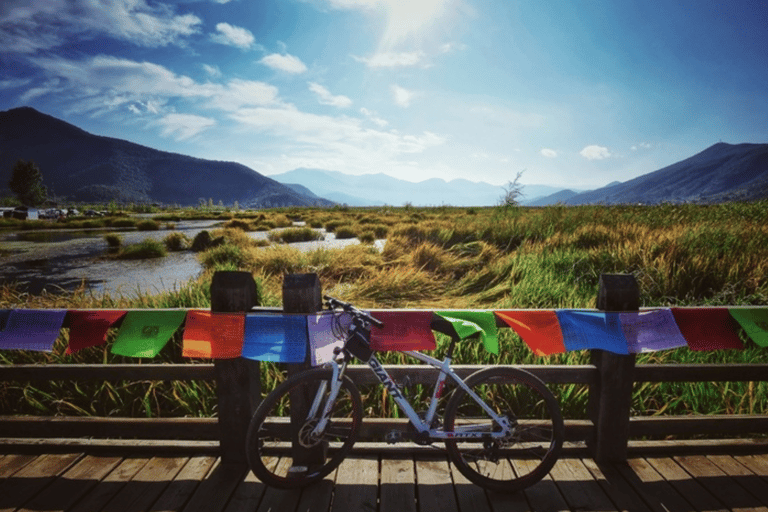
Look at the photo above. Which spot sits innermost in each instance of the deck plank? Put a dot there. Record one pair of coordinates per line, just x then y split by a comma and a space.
357, 485
405, 483
178, 492
743, 476
623, 495
435, 485
543, 495
116, 480
398, 484
217, 487
75, 483
26, 483
578, 486
696, 494
720, 484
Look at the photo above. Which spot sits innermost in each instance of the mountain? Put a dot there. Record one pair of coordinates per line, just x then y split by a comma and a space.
79, 166
381, 189
723, 172
558, 197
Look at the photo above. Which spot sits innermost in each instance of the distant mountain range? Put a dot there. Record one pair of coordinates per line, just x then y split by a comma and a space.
79, 166
723, 172
381, 189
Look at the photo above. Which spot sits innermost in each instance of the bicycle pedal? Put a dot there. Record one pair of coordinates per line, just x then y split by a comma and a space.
394, 436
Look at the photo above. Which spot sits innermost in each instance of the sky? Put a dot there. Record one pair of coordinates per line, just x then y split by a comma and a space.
571, 94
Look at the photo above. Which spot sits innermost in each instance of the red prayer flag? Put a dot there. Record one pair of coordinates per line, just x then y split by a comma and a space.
89, 328
708, 328
213, 335
403, 330
540, 329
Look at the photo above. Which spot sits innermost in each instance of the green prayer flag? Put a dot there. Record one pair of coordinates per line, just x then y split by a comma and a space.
469, 323
754, 322
145, 333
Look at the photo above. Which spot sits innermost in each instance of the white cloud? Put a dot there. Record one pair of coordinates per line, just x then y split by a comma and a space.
27, 27
549, 153
374, 118
325, 97
594, 152
212, 71
402, 96
642, 145
233, 36
390, 60
287, 63
184, 126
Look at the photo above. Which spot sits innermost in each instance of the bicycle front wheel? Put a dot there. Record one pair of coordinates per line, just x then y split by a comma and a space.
527, 453
282, 446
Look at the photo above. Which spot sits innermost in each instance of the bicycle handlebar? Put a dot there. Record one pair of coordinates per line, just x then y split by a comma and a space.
352, 310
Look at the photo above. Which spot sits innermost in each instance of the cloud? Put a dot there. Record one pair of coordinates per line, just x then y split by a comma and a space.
212, 71
27, 27
184, 126
381, 123
325, 97
390, 60
549, 153
233, 36
595, 152
287, 63
402, 96
642, 145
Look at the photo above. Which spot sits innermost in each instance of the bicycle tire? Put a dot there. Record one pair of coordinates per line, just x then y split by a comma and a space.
273, 440
511, 464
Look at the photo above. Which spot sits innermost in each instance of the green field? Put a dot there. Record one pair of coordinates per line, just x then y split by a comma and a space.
445, 257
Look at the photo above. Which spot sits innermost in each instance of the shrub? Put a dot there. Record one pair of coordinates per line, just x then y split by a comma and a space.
290, 235
176, 241
345, 232
114, 241
145, 249
238, 224
123, 223
148, 225
367, 237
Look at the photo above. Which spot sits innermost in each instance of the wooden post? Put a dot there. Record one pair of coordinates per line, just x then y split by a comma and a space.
238, 385
610, 399
302, 294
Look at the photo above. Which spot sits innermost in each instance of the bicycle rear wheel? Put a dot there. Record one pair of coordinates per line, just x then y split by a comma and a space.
523, 457
281, 449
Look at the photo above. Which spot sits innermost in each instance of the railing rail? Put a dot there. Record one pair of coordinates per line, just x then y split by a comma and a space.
610, 380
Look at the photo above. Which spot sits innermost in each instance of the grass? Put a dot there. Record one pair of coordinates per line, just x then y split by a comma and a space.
489, 259
142, 250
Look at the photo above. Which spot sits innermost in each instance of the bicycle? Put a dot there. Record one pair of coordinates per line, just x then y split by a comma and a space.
502, 428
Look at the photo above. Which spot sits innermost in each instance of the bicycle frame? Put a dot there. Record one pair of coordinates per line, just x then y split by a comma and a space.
421, 425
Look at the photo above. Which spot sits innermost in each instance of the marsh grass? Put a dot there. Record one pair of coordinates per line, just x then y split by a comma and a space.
490, 259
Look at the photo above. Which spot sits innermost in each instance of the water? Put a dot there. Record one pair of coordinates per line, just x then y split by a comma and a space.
48, 260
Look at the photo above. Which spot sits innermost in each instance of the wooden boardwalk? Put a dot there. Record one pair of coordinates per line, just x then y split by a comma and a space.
90, 482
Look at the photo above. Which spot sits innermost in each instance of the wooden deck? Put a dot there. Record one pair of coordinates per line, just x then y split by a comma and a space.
96, 481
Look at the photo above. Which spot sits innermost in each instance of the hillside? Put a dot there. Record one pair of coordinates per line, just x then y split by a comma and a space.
723, 172
79, 166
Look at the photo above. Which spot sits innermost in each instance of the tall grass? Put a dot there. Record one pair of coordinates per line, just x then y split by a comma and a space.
489, 259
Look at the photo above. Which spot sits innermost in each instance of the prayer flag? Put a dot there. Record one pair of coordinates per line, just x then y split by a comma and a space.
403, 330
89, 328
754, 322
277, 338
592, 330
213, 335
144, 333
648, 331
327, 331
469, 323
707, 328
32, 329
539, 329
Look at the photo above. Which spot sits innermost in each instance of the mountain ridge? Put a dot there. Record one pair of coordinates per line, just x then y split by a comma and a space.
80, 166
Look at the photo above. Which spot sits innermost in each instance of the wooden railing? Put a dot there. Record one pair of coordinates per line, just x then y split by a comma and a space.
610, 379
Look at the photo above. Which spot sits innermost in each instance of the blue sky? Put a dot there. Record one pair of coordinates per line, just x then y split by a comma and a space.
575, 94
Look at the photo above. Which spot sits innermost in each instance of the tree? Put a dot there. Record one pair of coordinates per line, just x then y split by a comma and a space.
513, 191
27, 183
